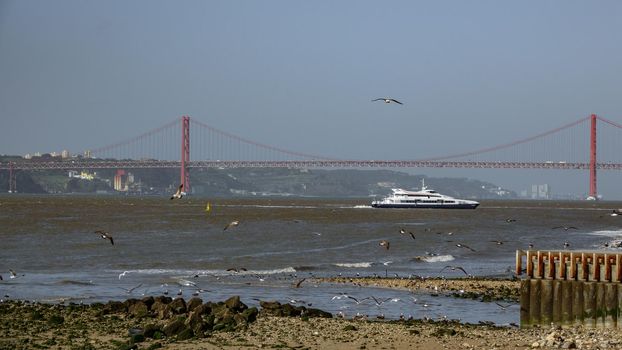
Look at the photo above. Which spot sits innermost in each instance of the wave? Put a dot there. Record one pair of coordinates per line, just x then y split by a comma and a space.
355, 265
606, 233
76, 283
434, 258
361, 207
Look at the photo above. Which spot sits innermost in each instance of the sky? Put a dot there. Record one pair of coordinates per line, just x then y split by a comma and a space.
300, 75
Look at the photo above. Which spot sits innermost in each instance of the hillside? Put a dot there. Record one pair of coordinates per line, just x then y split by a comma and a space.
256, 182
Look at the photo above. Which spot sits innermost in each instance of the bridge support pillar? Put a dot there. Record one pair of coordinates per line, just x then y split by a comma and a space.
593, 191
12, 179
185, 152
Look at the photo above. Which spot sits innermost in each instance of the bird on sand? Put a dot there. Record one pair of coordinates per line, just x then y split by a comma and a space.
510, 220
402, 231
566, 228
13, 274
497, 242
105, 235
453, 268
387, 100
231, 224
179, 193
385, 244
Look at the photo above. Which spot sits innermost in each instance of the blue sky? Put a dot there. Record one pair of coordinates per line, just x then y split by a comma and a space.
300, 74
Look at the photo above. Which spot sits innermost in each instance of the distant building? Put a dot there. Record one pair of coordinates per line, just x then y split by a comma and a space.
118, 181
87, 154
541, 191
64, 154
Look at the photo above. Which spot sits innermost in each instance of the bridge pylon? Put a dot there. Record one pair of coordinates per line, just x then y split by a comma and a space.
593, 191
185, 152
12, 179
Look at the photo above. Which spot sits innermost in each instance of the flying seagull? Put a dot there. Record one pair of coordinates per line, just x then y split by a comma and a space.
453, 268
566, 228
179, 192
385, 244
402, 231
105, 235
231, 224
131, 289
387, 100
297, 284
460, 245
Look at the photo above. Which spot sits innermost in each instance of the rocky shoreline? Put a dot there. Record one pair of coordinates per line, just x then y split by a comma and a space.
163, 322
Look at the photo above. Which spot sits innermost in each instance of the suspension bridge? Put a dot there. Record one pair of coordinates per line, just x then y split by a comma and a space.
573, 146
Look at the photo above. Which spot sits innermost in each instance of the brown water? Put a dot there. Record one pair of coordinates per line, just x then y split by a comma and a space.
168, 245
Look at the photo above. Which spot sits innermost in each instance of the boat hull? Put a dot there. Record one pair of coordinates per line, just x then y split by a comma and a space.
424, 206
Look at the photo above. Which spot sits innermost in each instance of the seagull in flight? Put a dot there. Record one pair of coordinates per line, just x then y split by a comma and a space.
387, 100
402, 231
131, 289
460, 245
566, 228
231, 224
454, 268
179, 193
105, 235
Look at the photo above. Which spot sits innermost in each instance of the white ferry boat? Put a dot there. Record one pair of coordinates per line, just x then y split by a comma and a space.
425, 198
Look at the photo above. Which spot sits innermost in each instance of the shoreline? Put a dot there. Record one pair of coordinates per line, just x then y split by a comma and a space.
486, 289
126, 325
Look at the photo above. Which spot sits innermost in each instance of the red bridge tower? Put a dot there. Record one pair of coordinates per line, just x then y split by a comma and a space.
185, 152
593, 192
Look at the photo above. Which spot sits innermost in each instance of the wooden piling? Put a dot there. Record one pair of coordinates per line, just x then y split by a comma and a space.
570, 288
546, 301
535, 297
557, 301
589, 304
577, 303
525, 306
611, 305
566, 302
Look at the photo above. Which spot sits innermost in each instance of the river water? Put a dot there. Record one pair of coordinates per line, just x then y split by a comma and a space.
164, 247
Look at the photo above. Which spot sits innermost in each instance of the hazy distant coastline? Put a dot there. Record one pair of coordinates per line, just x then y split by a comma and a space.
252, 182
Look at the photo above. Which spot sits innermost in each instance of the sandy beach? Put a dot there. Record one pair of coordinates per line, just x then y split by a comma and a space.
125, 326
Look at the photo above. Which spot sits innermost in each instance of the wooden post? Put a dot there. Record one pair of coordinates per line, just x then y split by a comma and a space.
573, 266
519, 261
529, 264
535, 296
566, 303
540, 273
577, 303
557, 300
609, 260
546, 301
611, 305
589, 304
525, 294
562, 265
584, 268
